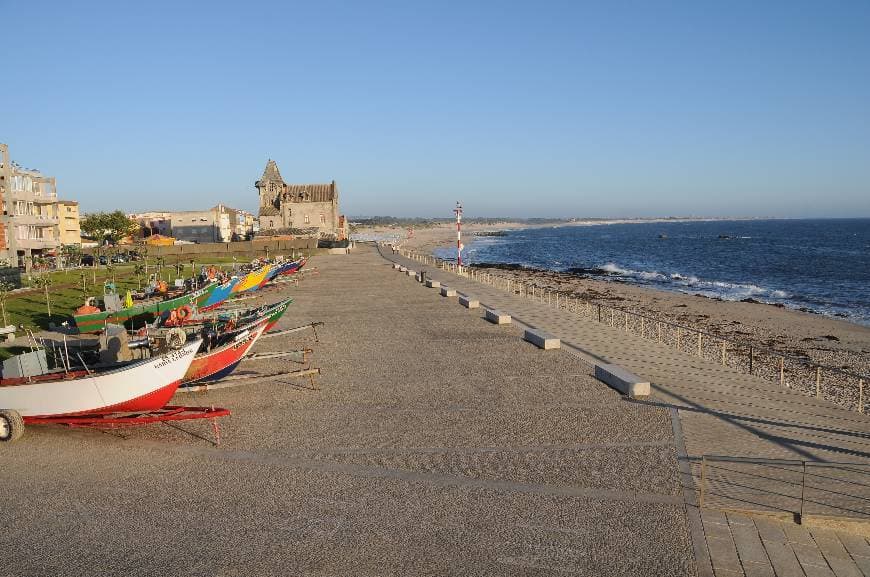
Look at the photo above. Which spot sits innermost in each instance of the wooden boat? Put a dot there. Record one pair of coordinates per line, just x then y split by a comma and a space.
94, 322
273, 272
290, 270
220, 295
145, 385
252, 280
220, 361
272, 313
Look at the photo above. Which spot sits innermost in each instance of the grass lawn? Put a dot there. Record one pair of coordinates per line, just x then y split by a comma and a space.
69, 288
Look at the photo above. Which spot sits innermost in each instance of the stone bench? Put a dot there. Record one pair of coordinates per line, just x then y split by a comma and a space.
623, 381
497, 317
541, 339
411, 272
469, 302
403, 269
396, 266
446, 291
433, 283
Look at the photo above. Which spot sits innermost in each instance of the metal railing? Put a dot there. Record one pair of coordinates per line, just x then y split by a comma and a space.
843, 387
793, 488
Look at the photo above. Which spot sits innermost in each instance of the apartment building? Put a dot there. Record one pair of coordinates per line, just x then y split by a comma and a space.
217, 224
243, 224
69, 225
201, 225
30, 212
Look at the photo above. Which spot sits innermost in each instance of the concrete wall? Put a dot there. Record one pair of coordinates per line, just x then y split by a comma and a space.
254, 248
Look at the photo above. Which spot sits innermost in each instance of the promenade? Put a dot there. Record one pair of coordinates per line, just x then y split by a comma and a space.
435, 444
718, 411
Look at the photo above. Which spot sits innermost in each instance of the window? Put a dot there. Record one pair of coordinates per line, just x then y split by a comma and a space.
322, 219
307, 219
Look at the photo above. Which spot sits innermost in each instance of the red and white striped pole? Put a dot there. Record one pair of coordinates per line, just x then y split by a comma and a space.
459, 247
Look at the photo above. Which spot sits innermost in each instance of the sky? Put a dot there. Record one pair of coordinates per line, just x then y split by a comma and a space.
535, 109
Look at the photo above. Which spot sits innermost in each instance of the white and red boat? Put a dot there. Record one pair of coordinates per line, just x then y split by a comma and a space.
140, 386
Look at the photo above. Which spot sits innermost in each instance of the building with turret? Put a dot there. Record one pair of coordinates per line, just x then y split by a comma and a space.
298, 209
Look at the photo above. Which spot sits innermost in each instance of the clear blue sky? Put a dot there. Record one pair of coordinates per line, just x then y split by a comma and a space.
606, 109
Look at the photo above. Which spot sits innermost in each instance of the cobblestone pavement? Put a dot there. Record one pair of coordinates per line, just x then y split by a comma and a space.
718, 411
435, 443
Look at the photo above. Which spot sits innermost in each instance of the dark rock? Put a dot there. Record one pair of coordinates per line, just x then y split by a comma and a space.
582, 271
751, 300
507, 266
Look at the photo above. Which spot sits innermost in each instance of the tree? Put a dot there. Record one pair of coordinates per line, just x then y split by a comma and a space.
5, 289
71, 253
138, 270
98, 252
142, 251
43, 281
108, 226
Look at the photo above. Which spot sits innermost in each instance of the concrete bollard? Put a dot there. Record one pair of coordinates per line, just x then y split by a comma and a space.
541, 339
469, 302
396, 266
497, 317
433, 283
448, 292
623, 381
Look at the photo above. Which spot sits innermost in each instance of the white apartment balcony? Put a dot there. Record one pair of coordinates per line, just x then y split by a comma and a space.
37, 243
34, 219
39, 197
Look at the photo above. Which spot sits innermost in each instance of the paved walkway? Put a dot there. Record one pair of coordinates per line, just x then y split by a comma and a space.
724, 412
437, 444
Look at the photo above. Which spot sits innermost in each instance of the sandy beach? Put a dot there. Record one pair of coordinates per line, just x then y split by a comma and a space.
818, 338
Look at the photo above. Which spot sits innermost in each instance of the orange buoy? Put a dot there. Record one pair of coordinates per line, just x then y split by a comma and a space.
183, 312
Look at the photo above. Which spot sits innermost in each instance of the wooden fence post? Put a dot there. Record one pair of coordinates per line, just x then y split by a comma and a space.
818, 382
782, 371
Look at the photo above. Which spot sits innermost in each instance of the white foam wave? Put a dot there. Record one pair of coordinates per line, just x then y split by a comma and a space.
690, 283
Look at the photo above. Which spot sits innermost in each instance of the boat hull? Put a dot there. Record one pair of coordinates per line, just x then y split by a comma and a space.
299, 264
219, 295
142, 386
95, 322
252, 280
220, 362
282, 269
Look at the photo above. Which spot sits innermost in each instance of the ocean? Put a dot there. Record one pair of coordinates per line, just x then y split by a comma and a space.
819, 265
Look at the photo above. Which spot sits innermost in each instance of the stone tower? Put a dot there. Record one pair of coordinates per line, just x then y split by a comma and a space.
271, 187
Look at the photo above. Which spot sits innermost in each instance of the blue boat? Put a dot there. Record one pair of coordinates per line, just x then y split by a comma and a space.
220, 294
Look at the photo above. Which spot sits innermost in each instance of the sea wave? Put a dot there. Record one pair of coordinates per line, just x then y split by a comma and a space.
691, 283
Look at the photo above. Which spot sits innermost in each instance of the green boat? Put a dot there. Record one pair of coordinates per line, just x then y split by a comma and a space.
94, 322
